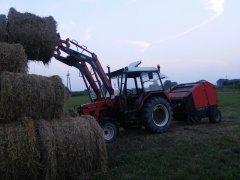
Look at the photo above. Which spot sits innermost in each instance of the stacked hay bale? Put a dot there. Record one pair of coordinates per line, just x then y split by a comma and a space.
67, 148
19, 151
36, 34
36, 141
24, 95
13, 58
72, 148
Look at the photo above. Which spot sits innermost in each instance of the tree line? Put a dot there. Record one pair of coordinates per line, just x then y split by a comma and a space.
229, 83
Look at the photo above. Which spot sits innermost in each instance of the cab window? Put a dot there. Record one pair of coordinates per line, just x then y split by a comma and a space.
151, 81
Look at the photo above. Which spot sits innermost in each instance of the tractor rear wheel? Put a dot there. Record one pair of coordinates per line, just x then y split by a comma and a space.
215, 115
157, 115
110, 130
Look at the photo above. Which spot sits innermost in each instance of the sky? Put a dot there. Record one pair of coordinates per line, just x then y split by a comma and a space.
191, 39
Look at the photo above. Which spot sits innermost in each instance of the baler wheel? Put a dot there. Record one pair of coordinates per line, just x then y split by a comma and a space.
215, 115
157, 115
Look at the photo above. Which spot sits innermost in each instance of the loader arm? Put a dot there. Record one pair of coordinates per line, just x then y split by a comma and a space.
80, 61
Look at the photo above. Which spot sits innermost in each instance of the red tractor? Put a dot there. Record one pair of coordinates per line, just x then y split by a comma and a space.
129, 97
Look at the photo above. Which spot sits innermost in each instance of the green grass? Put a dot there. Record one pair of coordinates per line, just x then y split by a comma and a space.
77, 100
230, 104
186, 151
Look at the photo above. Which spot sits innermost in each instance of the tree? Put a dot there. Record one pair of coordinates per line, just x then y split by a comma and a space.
220, 82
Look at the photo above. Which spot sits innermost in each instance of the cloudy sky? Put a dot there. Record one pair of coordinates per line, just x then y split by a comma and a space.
191, 39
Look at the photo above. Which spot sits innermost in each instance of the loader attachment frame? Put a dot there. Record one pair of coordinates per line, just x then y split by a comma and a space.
95, 80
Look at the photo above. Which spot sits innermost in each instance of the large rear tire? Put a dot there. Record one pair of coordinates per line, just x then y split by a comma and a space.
157, 115
110, 130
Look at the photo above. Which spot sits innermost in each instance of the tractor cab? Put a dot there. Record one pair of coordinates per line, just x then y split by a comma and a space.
132, 85
133, 81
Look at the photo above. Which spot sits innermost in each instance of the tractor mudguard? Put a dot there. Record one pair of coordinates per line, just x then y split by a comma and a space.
163, 94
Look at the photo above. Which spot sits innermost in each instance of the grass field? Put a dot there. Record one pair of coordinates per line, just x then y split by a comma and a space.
77, 100
186, 151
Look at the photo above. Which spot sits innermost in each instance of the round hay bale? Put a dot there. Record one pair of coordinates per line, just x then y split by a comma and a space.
47, 150
19, 151
3, 24
71, 113
74, 145
24, 95
36, 34
13, 58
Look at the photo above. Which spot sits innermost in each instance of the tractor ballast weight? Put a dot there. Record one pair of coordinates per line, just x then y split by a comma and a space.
194, 101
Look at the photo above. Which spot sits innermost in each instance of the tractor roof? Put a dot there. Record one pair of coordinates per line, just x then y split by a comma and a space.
133, 68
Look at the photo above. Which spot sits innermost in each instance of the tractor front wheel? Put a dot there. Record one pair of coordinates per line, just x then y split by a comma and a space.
110, 130
157, 115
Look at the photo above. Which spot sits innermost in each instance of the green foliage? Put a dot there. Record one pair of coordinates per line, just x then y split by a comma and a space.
78, 100
79, 93
228, 84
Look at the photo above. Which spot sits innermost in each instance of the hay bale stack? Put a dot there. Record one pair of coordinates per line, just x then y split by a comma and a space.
74, 146
36, 34
13, 58
19, 151
3, 25
24, 95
